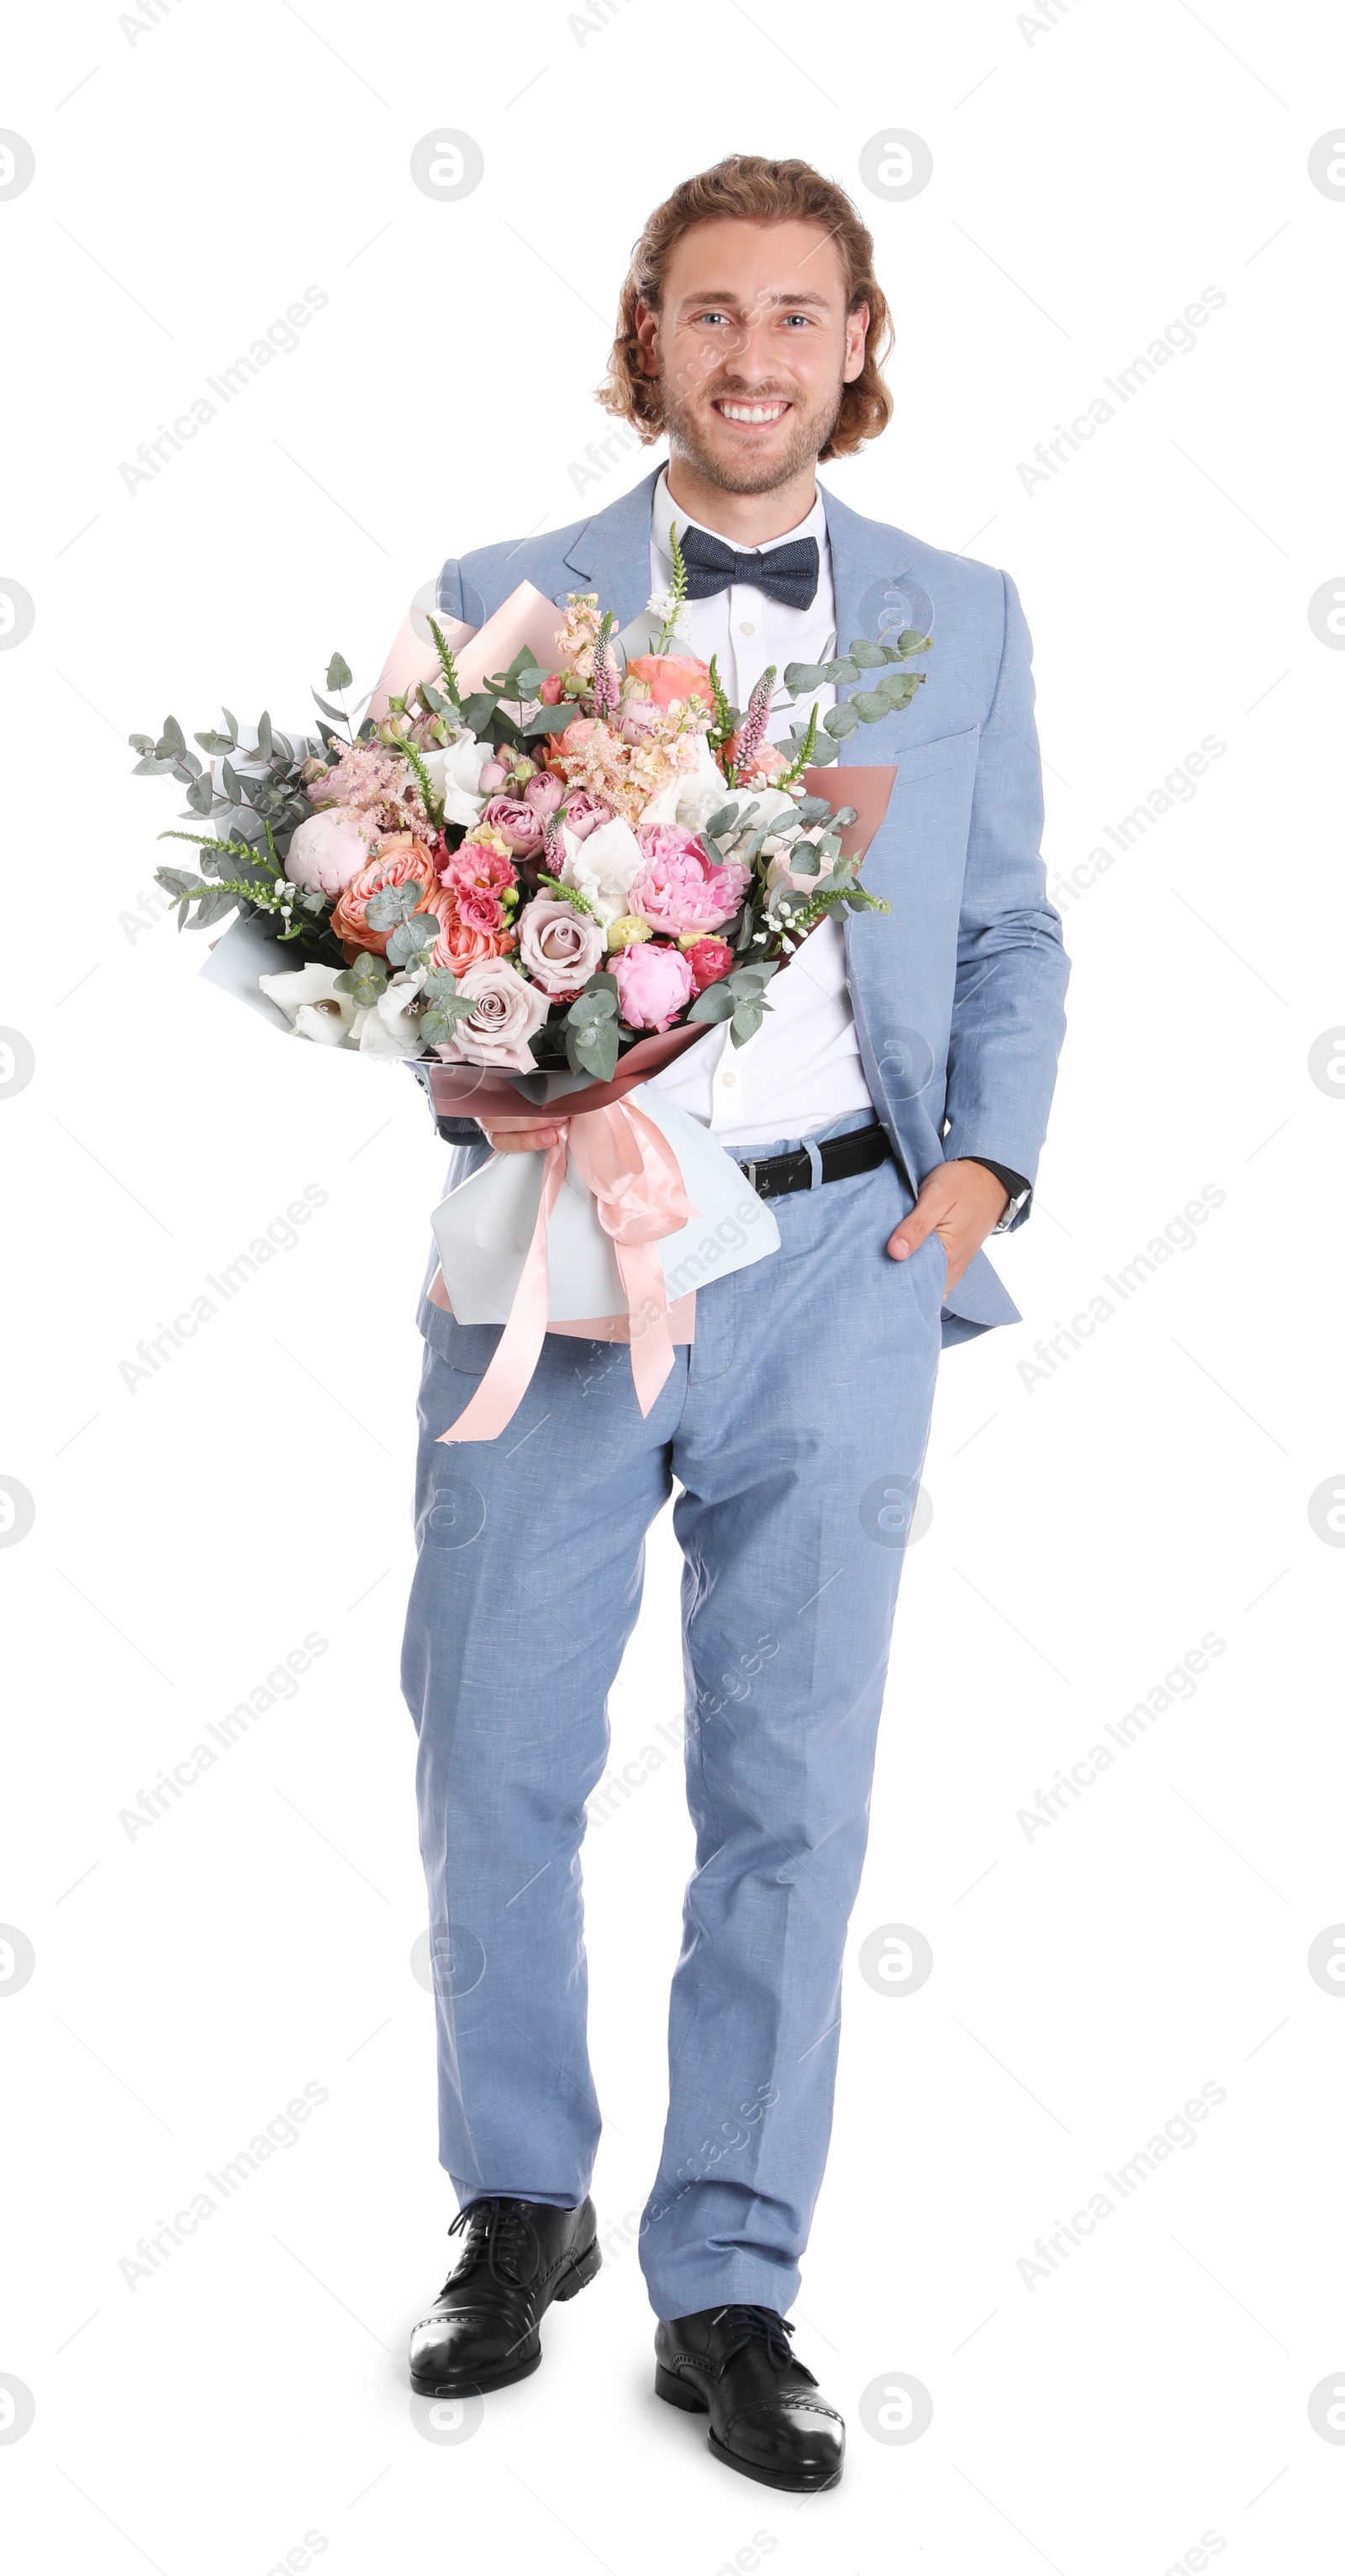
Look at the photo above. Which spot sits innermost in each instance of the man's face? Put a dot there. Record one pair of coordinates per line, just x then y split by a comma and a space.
753, 345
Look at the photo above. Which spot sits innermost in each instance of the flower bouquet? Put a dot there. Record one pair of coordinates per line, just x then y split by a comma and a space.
540, 879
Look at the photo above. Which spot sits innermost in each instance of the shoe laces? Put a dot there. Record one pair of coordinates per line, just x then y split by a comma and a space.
497, 2232
750, 2325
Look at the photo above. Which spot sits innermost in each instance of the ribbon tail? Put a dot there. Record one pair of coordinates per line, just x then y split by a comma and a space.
651, 1343
505, 1382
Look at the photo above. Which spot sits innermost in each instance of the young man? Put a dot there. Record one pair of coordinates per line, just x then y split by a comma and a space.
892, 1107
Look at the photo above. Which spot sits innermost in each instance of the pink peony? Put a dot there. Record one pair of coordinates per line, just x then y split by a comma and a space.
584, 813
560, 945
507, 1011
518, 823
709, 960
329, 849
653, 982
680, 886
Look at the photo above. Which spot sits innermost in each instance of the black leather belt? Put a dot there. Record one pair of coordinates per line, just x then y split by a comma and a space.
862, 1150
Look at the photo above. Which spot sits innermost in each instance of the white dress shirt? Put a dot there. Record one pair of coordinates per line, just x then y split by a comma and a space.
802, 1070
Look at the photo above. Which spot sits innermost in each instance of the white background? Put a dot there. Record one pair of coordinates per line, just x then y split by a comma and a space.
1093, 170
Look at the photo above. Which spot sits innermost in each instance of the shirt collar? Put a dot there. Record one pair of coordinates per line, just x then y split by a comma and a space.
666, 510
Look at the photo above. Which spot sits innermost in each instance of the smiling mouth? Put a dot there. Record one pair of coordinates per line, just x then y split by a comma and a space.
751, 415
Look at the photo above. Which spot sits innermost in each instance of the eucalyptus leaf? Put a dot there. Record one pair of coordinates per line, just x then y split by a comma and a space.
336, 713
263, 750
338, 672
391, 904
411, 937
548, 720
144, 741
478, 710
178, 881
715, 1003
813, 809
840, 670
804, 675
364, 980
841, 721
173, 736
746, 1021
212, 907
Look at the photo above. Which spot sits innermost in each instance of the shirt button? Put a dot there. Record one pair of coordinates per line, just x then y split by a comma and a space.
728, 1077
746, 627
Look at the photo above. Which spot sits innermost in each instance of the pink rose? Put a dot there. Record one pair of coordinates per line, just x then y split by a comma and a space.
710, 960
653, 982
460, 942
560, 945
505, 1015
480, 907
584, 813
544, 793
517, 823
552, 689
680, 886
329, 849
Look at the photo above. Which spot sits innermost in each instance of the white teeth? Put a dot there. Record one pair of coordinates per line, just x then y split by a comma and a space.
752, 411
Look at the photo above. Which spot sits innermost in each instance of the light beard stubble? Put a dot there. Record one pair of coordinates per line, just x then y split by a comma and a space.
810, 434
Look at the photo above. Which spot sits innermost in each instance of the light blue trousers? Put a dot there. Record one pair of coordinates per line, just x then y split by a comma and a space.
795, 1425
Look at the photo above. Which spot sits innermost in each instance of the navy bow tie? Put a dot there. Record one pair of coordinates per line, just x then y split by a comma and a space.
787, 573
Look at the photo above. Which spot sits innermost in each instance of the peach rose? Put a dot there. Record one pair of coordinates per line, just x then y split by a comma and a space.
400, 860
669, 677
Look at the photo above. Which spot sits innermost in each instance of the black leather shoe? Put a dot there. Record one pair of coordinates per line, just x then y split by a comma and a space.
766, 2418
518, 2256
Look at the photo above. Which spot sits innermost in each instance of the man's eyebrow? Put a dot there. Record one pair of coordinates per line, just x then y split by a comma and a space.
730, 295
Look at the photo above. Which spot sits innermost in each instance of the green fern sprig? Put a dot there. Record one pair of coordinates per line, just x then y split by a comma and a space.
434, 803
232, 849
678, 591
723, 724
445, 662
571, 895
791, 776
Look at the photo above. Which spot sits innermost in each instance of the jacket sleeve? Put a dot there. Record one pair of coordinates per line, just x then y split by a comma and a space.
457, 596
1008, 1010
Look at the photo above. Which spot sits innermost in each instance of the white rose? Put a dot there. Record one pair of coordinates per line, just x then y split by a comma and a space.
312, 1004
603, 867
454, 773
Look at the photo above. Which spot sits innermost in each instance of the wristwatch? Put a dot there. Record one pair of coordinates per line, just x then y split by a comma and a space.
1013, 1182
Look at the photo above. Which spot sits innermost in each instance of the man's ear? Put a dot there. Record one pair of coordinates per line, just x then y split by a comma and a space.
856, 334
646, 332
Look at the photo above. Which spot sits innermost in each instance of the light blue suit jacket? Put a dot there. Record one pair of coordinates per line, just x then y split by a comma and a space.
958, 992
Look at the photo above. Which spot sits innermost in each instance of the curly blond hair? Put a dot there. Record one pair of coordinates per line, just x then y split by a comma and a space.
747, 189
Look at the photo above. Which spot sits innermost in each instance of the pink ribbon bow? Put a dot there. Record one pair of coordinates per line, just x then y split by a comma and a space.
640, 1197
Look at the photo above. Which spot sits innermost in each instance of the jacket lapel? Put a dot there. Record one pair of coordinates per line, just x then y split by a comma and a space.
611, 553
867, 559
